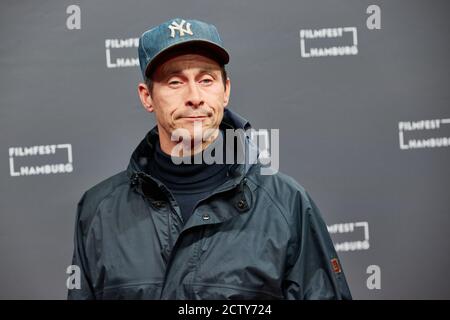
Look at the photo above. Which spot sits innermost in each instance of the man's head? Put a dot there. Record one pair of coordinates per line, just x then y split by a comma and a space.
185, 82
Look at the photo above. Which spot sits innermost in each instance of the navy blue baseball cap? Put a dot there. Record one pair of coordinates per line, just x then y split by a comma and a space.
179, 35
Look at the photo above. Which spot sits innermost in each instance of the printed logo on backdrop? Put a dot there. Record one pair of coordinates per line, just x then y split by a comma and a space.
424, 134
40, 160
350, 236
121, 53
339, 41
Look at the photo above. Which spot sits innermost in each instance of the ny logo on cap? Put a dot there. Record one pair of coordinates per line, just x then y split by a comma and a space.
175, 26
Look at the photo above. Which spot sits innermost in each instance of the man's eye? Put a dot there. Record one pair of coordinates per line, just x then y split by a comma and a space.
206, 81
174, 82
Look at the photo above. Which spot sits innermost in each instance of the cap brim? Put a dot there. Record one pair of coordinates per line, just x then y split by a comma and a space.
203, 47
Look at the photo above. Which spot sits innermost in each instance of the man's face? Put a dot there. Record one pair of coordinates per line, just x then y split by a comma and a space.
186, 89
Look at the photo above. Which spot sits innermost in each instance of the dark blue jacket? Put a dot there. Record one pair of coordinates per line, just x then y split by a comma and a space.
256, 237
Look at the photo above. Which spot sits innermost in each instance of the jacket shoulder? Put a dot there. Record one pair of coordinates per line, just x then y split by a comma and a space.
285, 192
91, 199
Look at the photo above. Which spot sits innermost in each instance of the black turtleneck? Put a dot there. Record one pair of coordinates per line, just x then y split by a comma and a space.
189, 183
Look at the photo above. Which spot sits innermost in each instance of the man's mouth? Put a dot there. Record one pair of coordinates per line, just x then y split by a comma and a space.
193, 118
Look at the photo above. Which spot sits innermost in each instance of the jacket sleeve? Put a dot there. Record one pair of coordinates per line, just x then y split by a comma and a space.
313, 269
85, 291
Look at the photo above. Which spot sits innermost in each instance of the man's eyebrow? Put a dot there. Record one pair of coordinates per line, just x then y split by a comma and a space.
208, 69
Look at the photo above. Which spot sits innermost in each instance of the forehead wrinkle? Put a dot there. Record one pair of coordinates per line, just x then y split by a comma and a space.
187, 62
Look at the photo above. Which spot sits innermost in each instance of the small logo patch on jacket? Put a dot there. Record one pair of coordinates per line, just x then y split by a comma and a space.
336, 266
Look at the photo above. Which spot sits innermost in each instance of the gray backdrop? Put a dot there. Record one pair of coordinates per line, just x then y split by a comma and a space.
339, 117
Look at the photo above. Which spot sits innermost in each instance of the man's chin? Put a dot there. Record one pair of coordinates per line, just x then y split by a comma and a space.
197, 131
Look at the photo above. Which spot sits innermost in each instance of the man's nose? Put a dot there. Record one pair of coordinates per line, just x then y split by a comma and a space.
194, 96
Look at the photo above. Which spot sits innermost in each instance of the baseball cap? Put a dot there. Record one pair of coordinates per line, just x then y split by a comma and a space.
178, 35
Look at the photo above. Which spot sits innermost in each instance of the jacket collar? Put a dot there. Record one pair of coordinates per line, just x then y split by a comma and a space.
143, 154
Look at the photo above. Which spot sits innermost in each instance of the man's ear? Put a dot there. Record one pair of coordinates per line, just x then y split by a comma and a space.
226, 96
145, 96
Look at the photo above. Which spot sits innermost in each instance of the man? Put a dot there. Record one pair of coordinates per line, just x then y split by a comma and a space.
168, 228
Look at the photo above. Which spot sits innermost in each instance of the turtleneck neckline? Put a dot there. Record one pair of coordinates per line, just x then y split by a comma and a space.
189, 177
